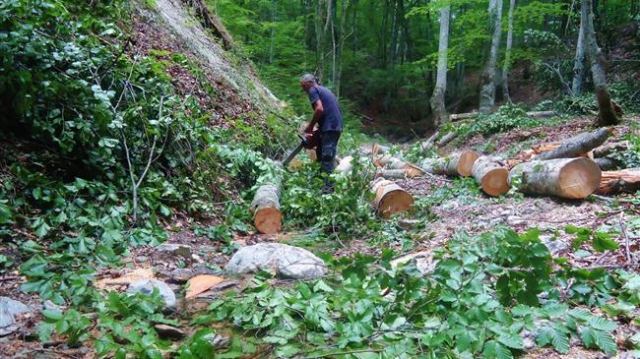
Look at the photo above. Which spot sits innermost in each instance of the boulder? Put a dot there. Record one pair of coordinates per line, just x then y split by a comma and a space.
280, 259
9, 308
146, 286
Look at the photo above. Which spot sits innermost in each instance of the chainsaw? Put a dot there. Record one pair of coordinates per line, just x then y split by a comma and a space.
305, 142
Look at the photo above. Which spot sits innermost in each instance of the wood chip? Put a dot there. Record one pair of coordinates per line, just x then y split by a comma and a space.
201, 283
128, 278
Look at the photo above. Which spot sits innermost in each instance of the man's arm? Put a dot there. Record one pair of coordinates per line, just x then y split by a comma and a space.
317, 113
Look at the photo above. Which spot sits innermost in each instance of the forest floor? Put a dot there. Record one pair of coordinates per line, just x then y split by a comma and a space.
454, 208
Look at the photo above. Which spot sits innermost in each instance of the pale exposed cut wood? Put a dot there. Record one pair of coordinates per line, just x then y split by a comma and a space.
389, 197
126, 279
572, 178
200, 284
578, 145
491, 174
345, 165
393, 163
266, 209
456, 164
620, 181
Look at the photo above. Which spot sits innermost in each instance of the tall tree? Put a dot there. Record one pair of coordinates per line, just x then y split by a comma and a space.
488, 90
579, 66
607, 115
437, 99
507, 57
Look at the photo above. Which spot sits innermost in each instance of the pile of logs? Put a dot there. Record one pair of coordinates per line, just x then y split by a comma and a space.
571, 169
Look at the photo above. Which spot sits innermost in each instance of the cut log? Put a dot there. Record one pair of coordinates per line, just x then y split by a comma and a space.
457, 164
491, 175
393, 163
462, 116
266, 209
425, 145
578, 145
606, 163
389, 197
572, 178
541, 114
606, 150
627, 181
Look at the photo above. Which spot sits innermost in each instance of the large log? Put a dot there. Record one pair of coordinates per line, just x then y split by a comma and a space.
456, 164
491, 175
389, 197
627, 181
578, 145
266, 209
606, 163
572, 178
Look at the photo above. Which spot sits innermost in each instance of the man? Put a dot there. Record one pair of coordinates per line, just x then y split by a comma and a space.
327, 115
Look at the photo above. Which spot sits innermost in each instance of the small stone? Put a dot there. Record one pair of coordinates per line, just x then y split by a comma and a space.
9, 308
49, 305
146, 286
217, 341
283, 260
408, 224
168, 332
174, 250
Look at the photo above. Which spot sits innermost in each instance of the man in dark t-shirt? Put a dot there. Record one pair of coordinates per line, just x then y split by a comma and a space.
327, 115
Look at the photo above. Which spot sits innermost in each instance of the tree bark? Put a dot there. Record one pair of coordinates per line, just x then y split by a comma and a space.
627, 181
507, 57
579, 69
572, 178
437, 99
389, 198
457, 164
266, 209
578, 145
488, 90
491, 175
607, 114
611, 148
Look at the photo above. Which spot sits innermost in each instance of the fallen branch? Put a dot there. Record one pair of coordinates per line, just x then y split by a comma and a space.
578, 145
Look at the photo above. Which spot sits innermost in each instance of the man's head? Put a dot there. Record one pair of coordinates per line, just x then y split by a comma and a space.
307, 81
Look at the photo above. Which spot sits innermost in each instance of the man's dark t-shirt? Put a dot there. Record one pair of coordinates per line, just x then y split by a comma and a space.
331, 119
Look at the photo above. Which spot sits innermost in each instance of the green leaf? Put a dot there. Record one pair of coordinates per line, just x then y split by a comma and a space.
603, 324
494, 350
605, 342
602, 241
52, 315
511, 340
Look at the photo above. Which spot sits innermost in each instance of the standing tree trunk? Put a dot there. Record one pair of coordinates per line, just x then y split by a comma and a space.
607, 116
579, 69
488, 91
437, 99
507, 57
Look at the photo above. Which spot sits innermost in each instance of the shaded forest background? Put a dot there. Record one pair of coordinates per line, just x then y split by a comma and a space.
380, 56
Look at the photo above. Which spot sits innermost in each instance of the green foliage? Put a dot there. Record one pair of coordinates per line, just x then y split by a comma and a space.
484, 293
347, 210
600, 240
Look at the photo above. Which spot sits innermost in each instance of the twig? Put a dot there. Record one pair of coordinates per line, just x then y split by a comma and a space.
623, 229
345, 353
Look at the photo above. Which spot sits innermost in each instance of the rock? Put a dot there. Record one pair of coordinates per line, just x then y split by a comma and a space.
168, 332
283, 260
555, 245
424, 261
174, 250
9, 308
49, 305
217, 341
408, 224
146, 286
